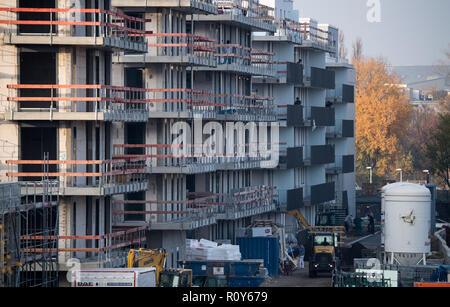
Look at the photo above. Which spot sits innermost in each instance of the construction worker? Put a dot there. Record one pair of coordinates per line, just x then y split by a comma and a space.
301, 253
348, 222
358, 225
298, 102
371, 226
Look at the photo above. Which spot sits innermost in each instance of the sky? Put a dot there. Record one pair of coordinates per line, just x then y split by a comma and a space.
409, 32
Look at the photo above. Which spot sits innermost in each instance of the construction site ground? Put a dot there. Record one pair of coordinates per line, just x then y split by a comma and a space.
298, 278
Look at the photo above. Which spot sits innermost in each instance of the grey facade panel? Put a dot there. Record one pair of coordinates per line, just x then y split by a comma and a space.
348, 130
348, 93
322, 154
294, 115
322, 78
348, 164
294, 73
322, 193
294, 157
294, 199
323, 117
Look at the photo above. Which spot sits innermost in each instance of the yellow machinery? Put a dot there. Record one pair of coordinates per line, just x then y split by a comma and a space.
142, 258
323, 243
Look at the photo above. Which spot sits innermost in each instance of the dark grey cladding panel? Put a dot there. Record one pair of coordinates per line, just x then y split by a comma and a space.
294, 199
348, 164
294, 115
322, 78
348, 93
294, 73
294, 157
322, 192
323, 117
348, 128
322, 154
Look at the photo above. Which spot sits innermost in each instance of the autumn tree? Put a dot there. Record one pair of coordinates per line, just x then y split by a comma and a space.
382, 117
422, 128
438, 150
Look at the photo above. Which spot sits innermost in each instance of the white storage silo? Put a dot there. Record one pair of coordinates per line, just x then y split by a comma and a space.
407, 218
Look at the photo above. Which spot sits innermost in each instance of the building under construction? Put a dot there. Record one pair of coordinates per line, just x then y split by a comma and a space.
92, 93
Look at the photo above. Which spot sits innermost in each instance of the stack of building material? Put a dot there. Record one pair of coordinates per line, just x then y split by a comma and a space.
205, 250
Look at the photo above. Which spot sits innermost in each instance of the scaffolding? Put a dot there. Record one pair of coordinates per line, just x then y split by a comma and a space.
29, 209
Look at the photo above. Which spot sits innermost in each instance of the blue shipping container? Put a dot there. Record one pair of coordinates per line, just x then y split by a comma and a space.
261, 248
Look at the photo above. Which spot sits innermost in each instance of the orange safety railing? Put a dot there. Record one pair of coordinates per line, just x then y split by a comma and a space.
77, 98
102, 246
78, 173
172, 210
172, 155
180, 44
250, 8
75, 22
237, 54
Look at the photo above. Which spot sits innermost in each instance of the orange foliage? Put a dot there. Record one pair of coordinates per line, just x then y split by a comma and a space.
382, 116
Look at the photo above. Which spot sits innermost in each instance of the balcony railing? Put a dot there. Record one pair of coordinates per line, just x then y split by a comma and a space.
112, 176
320, 154
342, 94
210, 105
342, 129
299, 116
245, 58
98, 102
322, 78
188, 6
194, 212
319, 37
198, 158
109, 250
88, 26
247, 8
322, 193
247, 201
343, 164
291, 199
182, 45
288, 28
291, 157
288, 72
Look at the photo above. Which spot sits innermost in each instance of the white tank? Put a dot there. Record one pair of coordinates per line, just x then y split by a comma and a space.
407, 218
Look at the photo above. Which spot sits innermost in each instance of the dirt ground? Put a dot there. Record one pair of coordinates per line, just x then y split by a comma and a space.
299, 278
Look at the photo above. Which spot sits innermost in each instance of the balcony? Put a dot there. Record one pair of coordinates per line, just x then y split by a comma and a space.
291, 199
343, 165
193, 159
320, 78
246, 202
194, 212
98, 251
291, 157
240, 59
187, 103
174, 48
342, 94
285, 73
84, 177
299, 116
187, 6
343, 129
316, 38
73, 27
76, 102
322, 193
319, 154
242, 13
